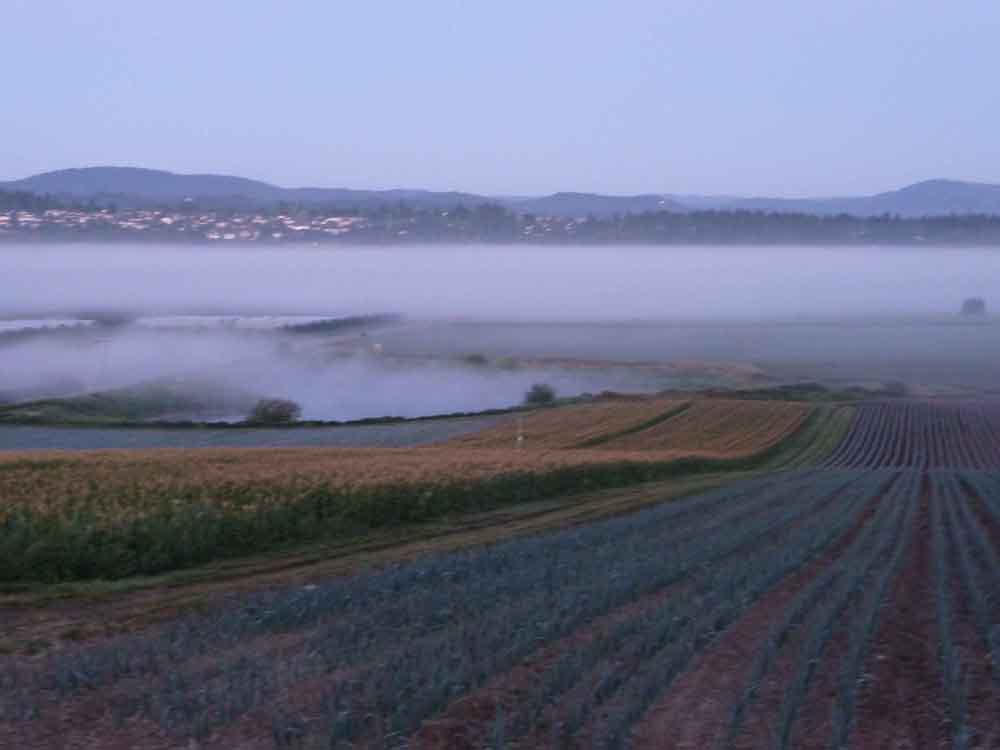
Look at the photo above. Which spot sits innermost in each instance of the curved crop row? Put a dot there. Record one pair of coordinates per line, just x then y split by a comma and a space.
978, 561
822, 603
920, 435
569, 426
580, 638
409, 638
719, 427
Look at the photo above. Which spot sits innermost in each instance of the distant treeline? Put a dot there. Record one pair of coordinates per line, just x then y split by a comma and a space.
403, 223
20, 200
342, 325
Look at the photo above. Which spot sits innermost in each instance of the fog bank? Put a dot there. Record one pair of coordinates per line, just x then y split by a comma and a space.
524, 283
888, 312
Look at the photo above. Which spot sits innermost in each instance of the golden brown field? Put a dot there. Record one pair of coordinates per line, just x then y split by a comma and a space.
568, 426
116, 514
718, 427
53, 482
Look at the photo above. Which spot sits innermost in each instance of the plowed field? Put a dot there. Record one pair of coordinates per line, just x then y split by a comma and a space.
922, 435
570, 426
814, 608
112, 515
718, 427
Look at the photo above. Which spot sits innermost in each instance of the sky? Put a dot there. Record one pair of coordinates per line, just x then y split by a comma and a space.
772, 97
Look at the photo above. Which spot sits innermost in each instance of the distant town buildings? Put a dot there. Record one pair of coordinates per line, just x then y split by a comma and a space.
209, 226
399, 223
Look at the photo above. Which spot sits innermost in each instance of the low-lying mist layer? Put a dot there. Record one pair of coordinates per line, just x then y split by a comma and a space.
331, 377
528, 283
798, 313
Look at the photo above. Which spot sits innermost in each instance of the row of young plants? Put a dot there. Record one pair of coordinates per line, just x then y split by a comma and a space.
676, 628
414, 635
861, 445
266, 614
949, 658
863, 625
180, 529
419, 681
816, 611
895, 538
987, 487
822, 433
920, 435
978, 558
510, 570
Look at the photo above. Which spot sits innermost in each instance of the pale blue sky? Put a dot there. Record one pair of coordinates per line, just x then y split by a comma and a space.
780, 97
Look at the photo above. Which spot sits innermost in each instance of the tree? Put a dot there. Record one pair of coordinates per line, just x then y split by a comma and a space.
974, 306
540, 394
275, 411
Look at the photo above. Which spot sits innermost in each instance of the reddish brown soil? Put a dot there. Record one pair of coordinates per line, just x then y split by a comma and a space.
695, 713
467, 720
902, 703
85, 721
981, 693
814, 724
990, 524
465, 723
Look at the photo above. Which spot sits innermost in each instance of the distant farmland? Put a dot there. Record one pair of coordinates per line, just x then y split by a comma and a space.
118, 514
839, 592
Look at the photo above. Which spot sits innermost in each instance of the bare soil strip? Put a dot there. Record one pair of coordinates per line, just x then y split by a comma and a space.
902, 705
40, 622
469, 718
695, 713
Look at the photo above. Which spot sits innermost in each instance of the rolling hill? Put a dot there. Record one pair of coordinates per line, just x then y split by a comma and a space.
928, 198
132, 186
136, 186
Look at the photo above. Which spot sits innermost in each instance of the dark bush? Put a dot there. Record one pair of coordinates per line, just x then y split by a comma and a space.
974, 306
275, 411
540, 394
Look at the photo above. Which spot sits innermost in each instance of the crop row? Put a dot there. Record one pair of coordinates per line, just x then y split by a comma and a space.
569, 639
867, 565
113, 516
571, 426
114, 532
978, 560
395, 648
921, 435
410, 636
718, 427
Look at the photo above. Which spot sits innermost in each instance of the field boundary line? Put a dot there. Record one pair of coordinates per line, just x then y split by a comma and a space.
659, 419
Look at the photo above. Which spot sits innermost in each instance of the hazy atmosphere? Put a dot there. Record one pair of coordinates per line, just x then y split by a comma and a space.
453, 375
777, 97
565, 283
474, 327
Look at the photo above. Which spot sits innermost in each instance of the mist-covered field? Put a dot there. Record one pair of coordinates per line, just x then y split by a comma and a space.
479, 325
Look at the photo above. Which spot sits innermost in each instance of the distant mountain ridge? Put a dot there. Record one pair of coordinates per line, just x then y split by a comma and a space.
927, 198
583, 204
133, 186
